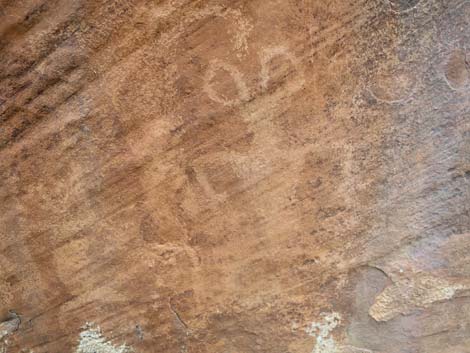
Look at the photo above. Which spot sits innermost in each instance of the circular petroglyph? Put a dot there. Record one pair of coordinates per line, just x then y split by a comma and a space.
238, 26
393, 86
224, 94
457, 71
276, 62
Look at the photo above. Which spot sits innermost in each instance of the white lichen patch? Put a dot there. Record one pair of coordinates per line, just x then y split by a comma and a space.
9, 326
322, 333
325, 343
409, 294
93, 341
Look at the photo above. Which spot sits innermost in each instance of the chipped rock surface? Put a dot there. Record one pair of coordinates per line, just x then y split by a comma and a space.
409, 294
235, 176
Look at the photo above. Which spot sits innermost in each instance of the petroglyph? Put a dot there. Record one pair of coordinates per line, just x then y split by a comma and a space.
409, 294
457, 72
266, 58
216, 65
393, 87
267, 73
208, 187
243, 27
93, 341
239, 30
229, 155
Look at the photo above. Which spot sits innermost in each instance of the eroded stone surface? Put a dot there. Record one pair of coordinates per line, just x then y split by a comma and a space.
214, 176
409, 294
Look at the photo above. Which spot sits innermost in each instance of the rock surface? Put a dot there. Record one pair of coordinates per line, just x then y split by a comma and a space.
235, 176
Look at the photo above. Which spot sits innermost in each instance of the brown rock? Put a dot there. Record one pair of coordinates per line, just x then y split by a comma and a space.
234, 176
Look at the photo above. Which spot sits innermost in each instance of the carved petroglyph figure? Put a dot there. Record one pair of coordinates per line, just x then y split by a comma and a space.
457, 70
239, 29
266, 57
393, 86
244, 93
216, 65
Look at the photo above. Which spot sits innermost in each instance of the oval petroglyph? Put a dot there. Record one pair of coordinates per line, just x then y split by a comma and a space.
237, 77
266, 58
269, 74
457, 71
393, 87
239, 26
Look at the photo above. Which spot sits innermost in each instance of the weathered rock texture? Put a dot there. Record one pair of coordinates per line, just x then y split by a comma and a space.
235, 176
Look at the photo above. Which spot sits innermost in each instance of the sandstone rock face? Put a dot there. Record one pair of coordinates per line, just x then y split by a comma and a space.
235, 176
